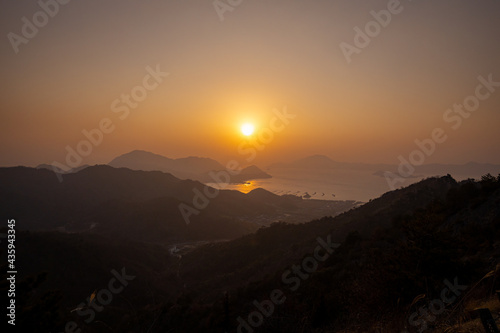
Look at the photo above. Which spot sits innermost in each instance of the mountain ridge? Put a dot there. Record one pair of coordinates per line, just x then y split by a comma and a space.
191, 167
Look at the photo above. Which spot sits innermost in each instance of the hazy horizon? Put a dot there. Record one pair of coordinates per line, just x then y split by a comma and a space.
244, 163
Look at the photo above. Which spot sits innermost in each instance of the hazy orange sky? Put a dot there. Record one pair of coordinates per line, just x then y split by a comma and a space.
263, 55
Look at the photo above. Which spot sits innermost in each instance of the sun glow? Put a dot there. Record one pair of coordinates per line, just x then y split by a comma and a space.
247, 129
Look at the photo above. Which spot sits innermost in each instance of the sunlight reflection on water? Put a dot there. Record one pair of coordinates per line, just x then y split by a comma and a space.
323, 185
242, 187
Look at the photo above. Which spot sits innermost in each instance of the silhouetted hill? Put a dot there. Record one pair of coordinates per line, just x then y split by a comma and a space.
393, 249
60, 272
272, 247
141, 205
195, 168
189, 167
264, 196
249, 173
56, 169
388, 252
135, 204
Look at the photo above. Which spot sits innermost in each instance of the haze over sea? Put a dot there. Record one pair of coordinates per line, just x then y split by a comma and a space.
328, 184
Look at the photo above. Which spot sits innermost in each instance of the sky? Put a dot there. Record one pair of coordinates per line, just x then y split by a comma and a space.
221, 64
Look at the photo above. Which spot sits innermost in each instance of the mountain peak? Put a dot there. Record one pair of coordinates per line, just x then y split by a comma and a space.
188, 167
140, 154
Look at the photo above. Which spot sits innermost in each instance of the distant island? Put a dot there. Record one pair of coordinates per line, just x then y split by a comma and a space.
192, 167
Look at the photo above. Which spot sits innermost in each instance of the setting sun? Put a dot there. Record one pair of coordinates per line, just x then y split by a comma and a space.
247, 129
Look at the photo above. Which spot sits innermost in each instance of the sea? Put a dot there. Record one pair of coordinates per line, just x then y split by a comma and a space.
329, 184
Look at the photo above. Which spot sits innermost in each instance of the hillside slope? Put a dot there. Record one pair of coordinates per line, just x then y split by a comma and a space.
388, 253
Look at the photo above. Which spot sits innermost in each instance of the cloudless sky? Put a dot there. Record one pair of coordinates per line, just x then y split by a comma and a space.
263, 55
